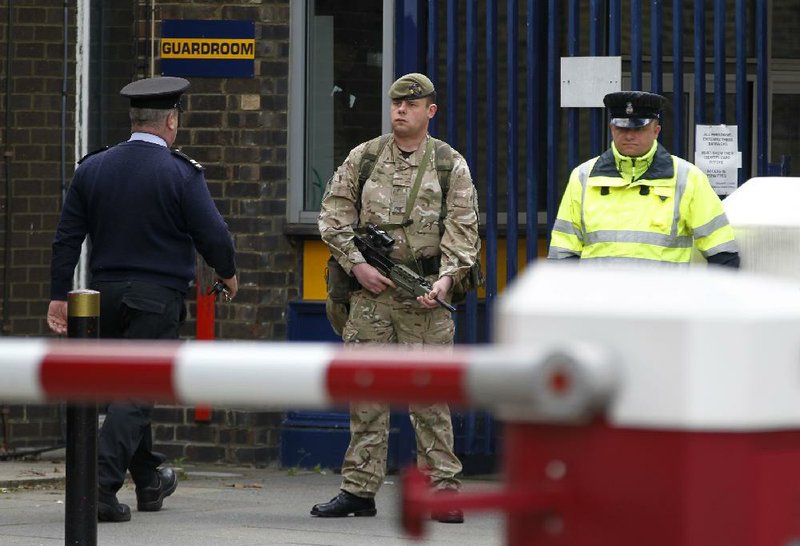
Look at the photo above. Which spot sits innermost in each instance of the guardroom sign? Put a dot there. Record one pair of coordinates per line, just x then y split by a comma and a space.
212, 49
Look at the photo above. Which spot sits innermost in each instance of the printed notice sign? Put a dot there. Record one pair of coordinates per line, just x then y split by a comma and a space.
717, 154
216, 49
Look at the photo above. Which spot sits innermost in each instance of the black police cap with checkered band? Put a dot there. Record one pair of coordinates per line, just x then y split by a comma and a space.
633, 108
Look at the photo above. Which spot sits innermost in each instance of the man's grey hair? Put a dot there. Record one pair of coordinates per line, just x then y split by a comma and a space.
149, 116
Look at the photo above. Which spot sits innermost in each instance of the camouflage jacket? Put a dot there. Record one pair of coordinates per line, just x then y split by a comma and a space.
383, 201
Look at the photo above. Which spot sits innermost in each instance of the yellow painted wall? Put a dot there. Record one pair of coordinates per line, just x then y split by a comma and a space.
315, 257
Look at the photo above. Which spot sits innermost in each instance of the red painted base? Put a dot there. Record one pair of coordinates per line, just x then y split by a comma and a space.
624, 487
601, 486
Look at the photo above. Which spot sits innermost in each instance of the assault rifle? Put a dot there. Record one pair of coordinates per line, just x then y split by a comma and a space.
374, 246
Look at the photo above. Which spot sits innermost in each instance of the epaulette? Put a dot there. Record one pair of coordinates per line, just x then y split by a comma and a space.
185, 157
103, 149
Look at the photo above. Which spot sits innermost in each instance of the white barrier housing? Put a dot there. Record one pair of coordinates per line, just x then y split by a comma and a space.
695, 348
765, 220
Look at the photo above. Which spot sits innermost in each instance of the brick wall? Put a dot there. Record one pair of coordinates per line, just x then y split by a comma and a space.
32, 174
237, 128
32, 171
33, 426
234, 436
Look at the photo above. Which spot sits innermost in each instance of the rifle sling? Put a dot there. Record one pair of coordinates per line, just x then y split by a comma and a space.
412, 195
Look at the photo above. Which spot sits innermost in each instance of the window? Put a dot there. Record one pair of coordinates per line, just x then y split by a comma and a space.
338, 82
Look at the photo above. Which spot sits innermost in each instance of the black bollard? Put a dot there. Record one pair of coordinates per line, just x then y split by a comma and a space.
80, 522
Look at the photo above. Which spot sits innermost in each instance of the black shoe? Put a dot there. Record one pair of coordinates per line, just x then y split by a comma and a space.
454, 515
110, 509
150, 498
449, 516
344, 504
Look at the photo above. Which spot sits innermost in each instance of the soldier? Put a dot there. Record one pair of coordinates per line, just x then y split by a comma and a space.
436, 233
145, 209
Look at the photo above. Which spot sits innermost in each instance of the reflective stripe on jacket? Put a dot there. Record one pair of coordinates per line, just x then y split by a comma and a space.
652, 208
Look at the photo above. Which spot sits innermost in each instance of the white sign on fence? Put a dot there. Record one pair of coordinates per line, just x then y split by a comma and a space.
717, 154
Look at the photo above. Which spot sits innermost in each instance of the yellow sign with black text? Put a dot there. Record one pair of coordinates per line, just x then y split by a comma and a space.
207, 48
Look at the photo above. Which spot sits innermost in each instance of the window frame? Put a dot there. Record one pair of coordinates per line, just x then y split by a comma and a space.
296, 153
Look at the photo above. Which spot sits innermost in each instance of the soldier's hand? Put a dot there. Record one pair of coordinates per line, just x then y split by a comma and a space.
371, 279
440, 289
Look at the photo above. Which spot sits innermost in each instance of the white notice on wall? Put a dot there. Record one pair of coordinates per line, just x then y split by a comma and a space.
717, 154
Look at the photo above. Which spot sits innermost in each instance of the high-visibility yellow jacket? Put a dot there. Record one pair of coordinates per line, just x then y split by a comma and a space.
649, 208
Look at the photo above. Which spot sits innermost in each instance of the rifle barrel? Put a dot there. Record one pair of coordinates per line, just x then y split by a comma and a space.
446, 305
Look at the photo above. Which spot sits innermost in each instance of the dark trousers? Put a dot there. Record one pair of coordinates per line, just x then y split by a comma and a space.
133, 310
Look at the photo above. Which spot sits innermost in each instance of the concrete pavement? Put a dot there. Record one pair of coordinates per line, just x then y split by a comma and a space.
224, 505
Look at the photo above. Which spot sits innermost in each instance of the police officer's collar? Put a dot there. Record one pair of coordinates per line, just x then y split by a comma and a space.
659, 164
148, 137
646, 158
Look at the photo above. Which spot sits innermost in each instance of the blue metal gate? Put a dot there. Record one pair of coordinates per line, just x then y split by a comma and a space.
479, 53
457, 44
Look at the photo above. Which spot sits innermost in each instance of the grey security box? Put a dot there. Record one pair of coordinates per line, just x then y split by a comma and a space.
586, 80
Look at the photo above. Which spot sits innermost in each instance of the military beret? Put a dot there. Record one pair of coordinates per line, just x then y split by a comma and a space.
162, 93
633, 108
411, 86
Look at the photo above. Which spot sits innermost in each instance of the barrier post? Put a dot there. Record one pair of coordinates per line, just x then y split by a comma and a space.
80, 522
206, 310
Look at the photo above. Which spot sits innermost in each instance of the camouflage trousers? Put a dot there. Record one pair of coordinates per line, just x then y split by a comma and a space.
382, 319
364, 466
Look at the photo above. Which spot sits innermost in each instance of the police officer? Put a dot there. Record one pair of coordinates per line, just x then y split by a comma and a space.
636, 203
442, 249
146, 209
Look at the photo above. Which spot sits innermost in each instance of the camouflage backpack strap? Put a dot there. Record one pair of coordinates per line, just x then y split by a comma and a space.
372, 151
444, 163
444, 166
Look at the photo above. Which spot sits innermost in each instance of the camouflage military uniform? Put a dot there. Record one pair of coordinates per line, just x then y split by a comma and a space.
394, 316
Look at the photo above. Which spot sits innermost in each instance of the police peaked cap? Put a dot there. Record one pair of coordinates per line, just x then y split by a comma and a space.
411, 86
161, 93
633, 108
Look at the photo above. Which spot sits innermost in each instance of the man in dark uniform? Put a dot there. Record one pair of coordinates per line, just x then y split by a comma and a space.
146, 209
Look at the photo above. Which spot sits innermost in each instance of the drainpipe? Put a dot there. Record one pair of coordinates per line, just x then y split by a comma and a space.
64, 108
7, 156
152, 38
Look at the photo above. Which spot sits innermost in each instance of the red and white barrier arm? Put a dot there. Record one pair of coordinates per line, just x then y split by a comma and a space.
552, 382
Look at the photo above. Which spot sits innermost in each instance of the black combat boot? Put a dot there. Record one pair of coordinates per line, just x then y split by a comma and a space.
344, 504
151, 498
110, 509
